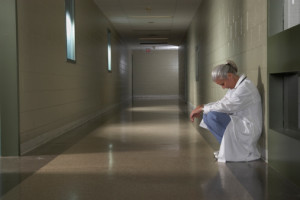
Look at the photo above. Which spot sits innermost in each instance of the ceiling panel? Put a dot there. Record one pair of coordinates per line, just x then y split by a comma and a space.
134, 19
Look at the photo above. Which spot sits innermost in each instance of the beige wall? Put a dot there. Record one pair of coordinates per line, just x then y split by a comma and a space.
155, 74
229, 29
56, 95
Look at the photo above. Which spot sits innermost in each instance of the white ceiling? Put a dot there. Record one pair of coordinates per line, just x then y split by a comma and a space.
140, 22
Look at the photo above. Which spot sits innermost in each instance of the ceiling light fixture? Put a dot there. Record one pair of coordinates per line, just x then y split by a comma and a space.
153, 43
150, 16
153, 38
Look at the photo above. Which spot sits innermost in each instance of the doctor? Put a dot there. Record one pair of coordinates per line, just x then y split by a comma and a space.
236, 119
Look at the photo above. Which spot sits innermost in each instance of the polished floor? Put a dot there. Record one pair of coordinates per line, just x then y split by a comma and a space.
148, 151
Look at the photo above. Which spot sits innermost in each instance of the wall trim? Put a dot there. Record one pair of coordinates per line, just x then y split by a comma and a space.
50, 135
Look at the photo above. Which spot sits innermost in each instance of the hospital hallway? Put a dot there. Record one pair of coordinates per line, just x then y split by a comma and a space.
149, 150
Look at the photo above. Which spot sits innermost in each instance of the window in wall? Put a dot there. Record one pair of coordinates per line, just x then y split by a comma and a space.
291, 13
70, 29
282, 15
108, 50
197, 62
284, 104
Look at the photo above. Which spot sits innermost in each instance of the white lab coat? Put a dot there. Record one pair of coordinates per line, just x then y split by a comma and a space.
243, 104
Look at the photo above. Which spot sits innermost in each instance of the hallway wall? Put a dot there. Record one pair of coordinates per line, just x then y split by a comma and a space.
221, 30
9, 105
155, 74
56, 95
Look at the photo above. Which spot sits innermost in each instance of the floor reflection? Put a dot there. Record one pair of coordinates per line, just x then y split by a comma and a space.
249, 180
252, 176
147, 151
225, 186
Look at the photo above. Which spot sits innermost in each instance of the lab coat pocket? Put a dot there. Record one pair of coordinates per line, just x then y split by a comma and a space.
242, 129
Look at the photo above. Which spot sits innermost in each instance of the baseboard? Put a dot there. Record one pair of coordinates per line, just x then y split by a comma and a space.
50, 135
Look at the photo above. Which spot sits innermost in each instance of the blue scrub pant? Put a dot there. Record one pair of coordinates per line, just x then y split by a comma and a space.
216, 123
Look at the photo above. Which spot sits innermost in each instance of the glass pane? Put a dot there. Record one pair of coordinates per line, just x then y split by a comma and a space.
283, 14
291, 13
108, 50
70, 29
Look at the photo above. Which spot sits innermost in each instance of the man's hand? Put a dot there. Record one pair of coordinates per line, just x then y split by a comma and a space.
196, 113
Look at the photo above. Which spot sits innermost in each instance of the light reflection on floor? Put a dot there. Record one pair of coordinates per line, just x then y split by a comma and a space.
148, 151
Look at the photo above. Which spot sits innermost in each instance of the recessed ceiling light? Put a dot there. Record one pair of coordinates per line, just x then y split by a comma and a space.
153, 43
150, 38
149, 16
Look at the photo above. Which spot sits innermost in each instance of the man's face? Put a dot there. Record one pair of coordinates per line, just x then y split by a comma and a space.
228, 83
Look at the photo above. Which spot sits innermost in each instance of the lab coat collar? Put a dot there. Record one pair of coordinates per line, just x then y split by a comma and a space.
241, 79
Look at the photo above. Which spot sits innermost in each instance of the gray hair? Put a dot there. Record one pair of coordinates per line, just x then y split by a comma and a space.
221, 71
